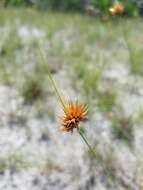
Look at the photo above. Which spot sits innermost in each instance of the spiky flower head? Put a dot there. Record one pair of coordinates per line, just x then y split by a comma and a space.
117, 8
74, 112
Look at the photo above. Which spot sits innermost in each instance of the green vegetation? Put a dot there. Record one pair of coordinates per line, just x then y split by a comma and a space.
16, 161
132, 7
90, 81
123, 128
32, 89
72, 5
106, 100
140, 117
135, 57
102, 5
14, 3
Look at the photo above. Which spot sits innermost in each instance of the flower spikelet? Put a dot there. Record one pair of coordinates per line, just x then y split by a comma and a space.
74, 112
117, 9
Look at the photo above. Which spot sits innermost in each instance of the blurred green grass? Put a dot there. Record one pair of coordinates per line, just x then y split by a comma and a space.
82, 45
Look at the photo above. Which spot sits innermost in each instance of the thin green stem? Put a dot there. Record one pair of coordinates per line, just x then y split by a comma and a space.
86, 141
51, 78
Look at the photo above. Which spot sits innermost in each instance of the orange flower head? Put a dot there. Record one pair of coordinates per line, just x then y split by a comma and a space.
73, 114
117, 9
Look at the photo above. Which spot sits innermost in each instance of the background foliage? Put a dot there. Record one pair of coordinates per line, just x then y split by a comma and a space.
132, 7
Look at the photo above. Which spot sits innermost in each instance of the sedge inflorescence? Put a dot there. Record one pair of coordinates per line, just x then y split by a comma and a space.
74, 112
117, 9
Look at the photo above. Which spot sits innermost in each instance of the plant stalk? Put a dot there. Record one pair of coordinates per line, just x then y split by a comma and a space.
86, 141
58, 94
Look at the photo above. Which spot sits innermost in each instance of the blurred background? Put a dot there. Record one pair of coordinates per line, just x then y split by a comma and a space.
94, 50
